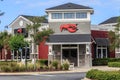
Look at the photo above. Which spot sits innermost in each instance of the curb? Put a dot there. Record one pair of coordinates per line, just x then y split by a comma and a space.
36, 73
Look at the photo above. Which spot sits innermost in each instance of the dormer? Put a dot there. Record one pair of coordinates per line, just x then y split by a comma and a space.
69, 12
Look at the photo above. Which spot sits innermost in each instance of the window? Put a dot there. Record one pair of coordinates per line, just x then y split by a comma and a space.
81, 15
24, 32
56, 15
118, 50
69, 15
101, 52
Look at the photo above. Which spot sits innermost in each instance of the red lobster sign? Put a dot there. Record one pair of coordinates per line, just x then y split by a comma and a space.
70, 27
19, 30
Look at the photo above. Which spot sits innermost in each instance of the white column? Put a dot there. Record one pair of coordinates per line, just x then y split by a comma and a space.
50, 54
88, 59
50, 50
37, 51
21, 54
88, 49
13, 54
78, 61
61, 54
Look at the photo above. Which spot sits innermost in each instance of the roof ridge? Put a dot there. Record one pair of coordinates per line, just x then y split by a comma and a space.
69, 6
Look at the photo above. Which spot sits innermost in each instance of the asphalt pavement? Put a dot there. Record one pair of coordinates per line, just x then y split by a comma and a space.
58, 76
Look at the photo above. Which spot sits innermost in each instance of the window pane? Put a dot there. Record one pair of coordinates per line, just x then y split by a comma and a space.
104, 53
56, 15
69, 15
81, 15
99, 53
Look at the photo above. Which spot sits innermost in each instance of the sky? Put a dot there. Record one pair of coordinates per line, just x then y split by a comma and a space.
103, 9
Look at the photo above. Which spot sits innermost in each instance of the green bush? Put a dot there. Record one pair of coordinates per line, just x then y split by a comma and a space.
55, 64
42, 62
65, 65
6, 69
98, 62
103, 75
104, 61
114, 64
30, 67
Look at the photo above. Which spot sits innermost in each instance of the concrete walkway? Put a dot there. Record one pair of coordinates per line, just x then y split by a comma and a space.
82, 69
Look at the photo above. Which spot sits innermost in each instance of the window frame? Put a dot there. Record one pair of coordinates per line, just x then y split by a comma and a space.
56, 16
68, 14
82, 15
101, 48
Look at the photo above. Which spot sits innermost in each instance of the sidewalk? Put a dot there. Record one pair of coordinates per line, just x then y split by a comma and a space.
83, 69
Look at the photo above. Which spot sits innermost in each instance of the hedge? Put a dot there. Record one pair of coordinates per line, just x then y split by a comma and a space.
104, 61
114, 64
103, 75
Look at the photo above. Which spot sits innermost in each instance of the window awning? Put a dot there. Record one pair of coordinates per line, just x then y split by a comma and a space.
69, 38
102, 41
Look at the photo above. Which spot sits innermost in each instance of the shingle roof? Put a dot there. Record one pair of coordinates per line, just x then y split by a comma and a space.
102, 41
69, 38
110, 20
69, 6
30, 18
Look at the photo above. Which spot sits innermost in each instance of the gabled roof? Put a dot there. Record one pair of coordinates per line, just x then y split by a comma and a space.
69, 6
110, 20
30, 18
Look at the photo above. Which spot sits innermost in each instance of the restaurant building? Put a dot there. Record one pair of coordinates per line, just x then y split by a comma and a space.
74, 39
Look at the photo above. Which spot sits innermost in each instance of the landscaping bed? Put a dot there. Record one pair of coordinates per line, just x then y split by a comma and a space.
40, 65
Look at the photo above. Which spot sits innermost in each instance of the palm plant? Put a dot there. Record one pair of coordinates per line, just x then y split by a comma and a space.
36, 35
115, 36
4, 39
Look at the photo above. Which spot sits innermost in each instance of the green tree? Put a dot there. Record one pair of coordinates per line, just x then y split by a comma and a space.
115, 36
1, 42
16, 42
4, 38
36, 35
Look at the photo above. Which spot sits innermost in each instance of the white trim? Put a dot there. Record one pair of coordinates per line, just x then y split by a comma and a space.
90, 10
61, 53
101, 54
69, 43
71, 19
18, 19
78, 64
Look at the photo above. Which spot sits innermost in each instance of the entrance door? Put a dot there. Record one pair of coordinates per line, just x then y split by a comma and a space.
70, 55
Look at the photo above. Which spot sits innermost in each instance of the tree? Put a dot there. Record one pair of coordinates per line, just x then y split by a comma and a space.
1, 43
16, 42
37, 35
42, 35
4, 38
115, 36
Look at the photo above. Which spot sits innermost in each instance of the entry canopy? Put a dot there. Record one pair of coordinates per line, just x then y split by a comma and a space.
69, 38
102, 41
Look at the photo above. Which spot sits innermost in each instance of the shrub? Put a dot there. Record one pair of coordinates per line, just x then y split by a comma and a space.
30, 67
6, 69
98, 62
42, 62
114, 64
104, 61
65, 65
55, 64
103, 75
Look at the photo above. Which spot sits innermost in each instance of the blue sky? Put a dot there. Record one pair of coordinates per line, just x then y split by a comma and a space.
103, 9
